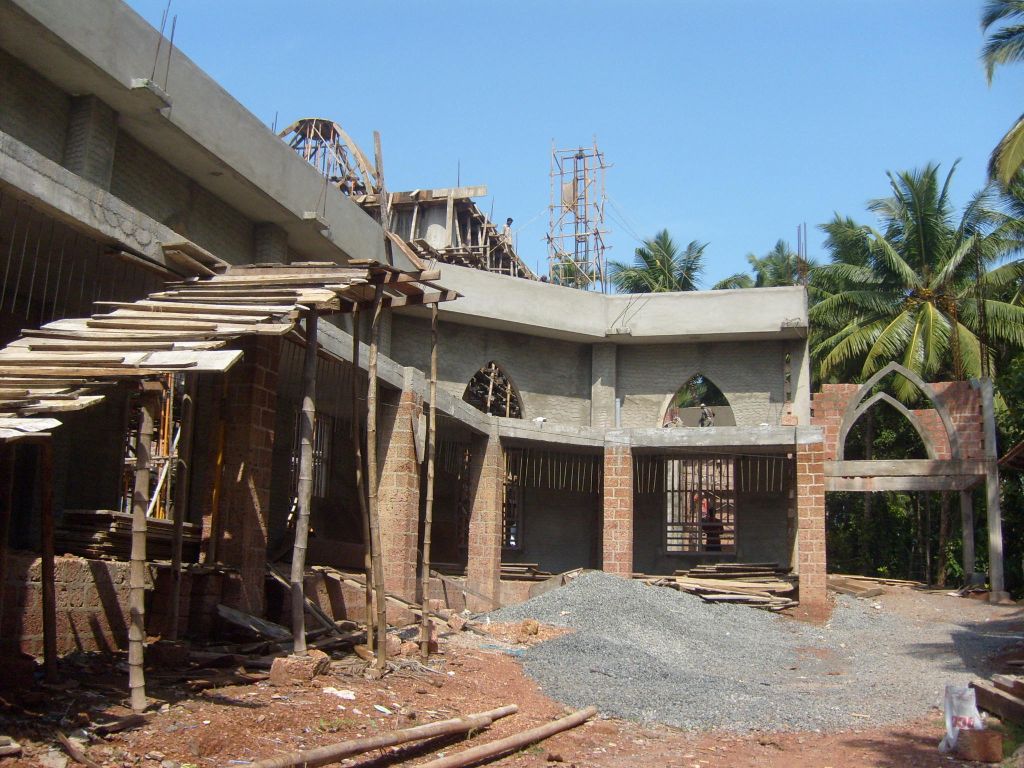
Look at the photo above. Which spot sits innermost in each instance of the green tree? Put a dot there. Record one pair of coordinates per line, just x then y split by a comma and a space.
919, 290
1003, 23
659, 266
780, 266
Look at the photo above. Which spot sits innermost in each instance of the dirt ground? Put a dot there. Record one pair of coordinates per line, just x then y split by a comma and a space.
238, 724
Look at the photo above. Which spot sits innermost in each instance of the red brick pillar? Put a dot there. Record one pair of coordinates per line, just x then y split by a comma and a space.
617, 528
810, 483
250, 410
399, 492
487, 471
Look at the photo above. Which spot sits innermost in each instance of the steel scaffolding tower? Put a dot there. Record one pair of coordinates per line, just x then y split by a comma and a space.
576, 234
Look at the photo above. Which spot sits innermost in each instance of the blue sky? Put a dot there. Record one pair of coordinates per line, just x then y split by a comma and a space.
725, 121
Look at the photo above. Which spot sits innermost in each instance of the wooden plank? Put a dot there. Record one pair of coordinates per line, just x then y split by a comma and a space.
14, 357
181, 305
998, 702
1012, 684
212, 317
253, 624
155, 324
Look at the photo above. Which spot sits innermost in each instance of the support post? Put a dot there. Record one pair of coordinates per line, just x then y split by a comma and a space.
305, 485
182, 487
48, 571
428, 513
967, 521
6, 501
364, 513
993, 513
137, 572
374, 483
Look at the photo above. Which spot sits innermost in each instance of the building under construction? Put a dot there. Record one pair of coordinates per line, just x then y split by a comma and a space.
161, 268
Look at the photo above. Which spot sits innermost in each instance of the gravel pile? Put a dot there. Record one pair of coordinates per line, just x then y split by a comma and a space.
651, 654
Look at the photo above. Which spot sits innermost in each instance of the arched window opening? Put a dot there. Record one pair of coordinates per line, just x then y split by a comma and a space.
883, 432
491, 391
699, 403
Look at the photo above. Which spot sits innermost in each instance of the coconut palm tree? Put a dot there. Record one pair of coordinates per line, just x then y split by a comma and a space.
923, 290
659, 266
1003, 22
780, 266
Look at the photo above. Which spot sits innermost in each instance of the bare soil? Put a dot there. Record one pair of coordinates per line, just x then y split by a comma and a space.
237, 724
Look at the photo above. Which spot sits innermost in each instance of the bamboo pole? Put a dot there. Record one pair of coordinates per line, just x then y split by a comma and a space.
512, 743
48, 570
137, 572
357, 445
428, 513
373, 480
333, 753
183, 481
6, 501
305, 485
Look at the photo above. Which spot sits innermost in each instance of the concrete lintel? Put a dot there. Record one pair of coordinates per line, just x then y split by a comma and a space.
905, 468
713, 437
548, 433
79, 202
905, 483
810, 435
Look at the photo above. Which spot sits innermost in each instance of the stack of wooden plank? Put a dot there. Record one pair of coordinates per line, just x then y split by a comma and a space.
760, 585
845, 585
524, 572
870, 581
108, 535
1003, 695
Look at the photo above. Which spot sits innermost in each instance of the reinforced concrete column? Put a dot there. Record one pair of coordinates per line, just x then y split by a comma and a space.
269, 244
250, 410
487, 474
602, 385
617, 518
993, 512
398, 496
810, 484
967, 523
91, 140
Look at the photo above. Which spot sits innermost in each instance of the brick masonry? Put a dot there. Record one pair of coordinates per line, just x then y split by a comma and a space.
399, 494
92, 137
617, 526
811, 557
248, 463
962, 401
486, 477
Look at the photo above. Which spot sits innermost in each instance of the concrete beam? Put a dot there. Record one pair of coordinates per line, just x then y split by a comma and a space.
904, 468
905, 483
80, 203
553, 311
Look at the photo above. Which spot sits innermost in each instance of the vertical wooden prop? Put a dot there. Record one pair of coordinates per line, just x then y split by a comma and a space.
374, 481
305, 485
364, 515
6, 501
428, 514
137, 572
183, 480
48, 571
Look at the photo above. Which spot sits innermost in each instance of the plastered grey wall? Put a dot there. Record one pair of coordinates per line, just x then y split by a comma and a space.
146, 182
32, 109
553, 377
750, 374
763, 532
560, 530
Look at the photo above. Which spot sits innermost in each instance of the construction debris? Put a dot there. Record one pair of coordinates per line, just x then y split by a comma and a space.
853, 587
1003, 695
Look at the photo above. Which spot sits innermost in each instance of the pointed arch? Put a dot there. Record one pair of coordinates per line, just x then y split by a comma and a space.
684, 406
492, 391
856, 409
